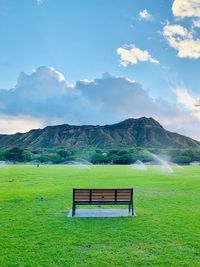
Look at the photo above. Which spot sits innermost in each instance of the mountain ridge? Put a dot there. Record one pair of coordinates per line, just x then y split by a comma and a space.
144, 132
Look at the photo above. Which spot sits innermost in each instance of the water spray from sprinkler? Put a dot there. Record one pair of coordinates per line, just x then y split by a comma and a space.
166, 168
139, 165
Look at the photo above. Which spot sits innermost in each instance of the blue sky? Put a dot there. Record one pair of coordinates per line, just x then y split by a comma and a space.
154, 43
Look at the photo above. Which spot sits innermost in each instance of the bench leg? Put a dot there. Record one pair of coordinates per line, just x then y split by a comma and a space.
132, 208
129, 208
73, 210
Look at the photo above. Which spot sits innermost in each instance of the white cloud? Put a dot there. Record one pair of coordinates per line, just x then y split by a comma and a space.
43, 98
12, 124
172, 31
86, 81
196, 23
145, 15
185, 98
188, 101
132, 55
40, 2
182, 40
186, 8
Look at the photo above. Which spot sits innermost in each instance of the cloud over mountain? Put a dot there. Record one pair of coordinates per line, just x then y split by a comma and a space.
45, 97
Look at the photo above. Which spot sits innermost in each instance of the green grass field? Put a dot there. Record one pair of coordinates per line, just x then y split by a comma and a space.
35, 229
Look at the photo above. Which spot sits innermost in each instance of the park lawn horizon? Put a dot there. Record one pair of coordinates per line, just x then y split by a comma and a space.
35, 229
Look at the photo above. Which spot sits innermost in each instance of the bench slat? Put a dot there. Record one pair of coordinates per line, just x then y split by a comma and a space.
82, 195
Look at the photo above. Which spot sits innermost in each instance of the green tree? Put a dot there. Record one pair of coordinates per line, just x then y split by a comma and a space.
14, 154
27, 155
18, 154
64, 153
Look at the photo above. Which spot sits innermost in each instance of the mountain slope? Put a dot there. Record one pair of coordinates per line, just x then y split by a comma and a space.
144, 132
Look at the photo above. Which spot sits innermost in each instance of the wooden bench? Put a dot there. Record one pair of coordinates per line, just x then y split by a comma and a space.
111, 196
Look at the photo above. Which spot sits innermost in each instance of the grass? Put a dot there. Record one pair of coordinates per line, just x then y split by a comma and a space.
35, 229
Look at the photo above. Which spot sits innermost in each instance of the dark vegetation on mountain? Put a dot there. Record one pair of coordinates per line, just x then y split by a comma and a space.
143, 132
120, 143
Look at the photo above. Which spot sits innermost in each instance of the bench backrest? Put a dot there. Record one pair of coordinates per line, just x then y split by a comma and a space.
115, 195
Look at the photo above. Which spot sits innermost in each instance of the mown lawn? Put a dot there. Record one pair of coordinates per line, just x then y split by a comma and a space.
35, 229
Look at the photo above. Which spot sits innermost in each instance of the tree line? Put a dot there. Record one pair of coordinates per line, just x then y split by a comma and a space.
99, 156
